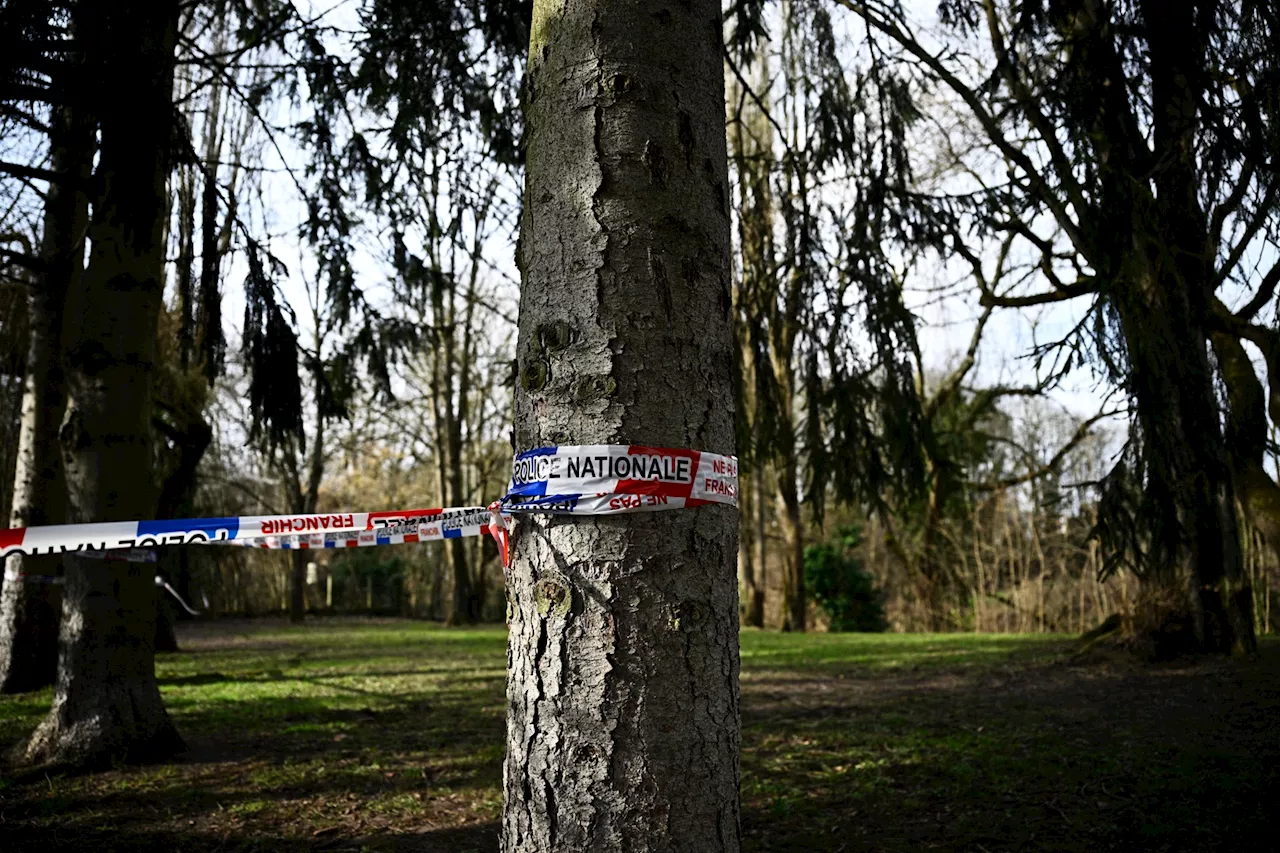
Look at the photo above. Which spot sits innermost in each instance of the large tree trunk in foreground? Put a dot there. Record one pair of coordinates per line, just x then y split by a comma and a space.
623, 725
107, 704
29, 612
1164, 316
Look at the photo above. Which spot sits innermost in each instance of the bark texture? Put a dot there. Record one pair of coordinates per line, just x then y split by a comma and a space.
623, 726
107, 705
29, 612
1164, 303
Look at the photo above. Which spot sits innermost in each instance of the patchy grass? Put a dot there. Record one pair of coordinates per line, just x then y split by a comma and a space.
363, 735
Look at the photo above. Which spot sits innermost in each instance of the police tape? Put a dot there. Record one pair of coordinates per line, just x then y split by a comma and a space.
87, 540
596, 479
453, 523
604, 479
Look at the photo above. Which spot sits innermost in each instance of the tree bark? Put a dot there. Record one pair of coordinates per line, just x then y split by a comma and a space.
1165, 311
29, 612
750, 575
192, 437
623, 726
304, 502
793, 544
298, 560
107, 705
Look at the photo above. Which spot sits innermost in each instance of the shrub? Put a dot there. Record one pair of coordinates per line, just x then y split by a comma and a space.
841, 587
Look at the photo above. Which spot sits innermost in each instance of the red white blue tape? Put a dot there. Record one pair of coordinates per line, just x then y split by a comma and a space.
416, 526
603, 479
111, 535
593, 479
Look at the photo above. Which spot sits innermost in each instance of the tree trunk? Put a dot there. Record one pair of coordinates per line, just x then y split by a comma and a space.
935, 582
29, 611
1152, 235
623, 724
762, 547
107, 705
793, 543
750, 576
177, 500
461, 604
298, 560
305, 503
166, 639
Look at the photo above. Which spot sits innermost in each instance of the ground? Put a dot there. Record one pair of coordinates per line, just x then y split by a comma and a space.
388, 736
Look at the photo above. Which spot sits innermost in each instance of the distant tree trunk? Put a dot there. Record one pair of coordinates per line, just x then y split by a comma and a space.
29, 612
623, 723
449, 389
107, 706
792, 524
750, 576
298, 560
177, 500
762, 542
304, 501
461, 605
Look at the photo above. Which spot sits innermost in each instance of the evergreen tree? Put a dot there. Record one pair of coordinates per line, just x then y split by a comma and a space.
623, 724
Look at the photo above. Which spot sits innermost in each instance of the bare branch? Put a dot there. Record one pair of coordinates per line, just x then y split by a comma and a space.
1069, 291
1266, 290
35, 173
1082, 432
989, 123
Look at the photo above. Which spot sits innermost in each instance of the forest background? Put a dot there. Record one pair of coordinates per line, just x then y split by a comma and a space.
345, 209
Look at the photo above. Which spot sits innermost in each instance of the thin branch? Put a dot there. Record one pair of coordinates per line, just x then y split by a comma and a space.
1068, 291
1266, 290
35, 173
986, 119
1082, 432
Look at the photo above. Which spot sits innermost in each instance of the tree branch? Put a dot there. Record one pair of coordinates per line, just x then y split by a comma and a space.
1038, 184
1061, 163
33, 172
1255, 224
1067, 291
1266, 290
952, 383
1082, 432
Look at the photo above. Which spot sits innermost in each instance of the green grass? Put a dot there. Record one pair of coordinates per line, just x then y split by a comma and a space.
817, 653
351, 735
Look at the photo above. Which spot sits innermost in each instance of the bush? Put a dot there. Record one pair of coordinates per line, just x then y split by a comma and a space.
841, 587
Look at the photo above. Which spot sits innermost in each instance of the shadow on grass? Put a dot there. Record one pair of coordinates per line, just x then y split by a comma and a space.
481, 838
849, 744
1178, 758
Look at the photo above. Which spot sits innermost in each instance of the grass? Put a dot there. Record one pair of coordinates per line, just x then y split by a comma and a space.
363, 735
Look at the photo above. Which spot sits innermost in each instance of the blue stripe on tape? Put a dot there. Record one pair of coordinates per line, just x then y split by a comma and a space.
554, 503
456, 533
208, 526
538, 451
534, 489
